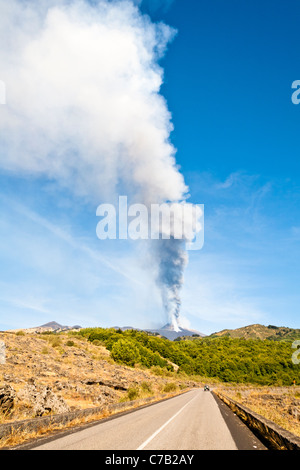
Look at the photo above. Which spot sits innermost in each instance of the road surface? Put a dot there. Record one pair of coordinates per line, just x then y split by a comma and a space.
192, 421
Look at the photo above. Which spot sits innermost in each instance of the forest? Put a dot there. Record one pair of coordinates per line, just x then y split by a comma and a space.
234, 360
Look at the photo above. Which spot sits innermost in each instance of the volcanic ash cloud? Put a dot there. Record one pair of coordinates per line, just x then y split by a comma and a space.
83, 107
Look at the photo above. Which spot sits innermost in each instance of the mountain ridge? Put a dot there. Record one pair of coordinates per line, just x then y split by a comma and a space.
253, 331
258, 331
51, 326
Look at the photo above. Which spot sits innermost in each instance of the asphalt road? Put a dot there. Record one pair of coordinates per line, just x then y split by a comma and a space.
192, 421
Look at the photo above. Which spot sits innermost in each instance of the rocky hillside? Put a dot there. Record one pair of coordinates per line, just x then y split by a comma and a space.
257, 331
43, 373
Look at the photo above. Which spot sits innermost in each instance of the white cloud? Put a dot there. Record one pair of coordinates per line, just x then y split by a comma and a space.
230, 181
83, 102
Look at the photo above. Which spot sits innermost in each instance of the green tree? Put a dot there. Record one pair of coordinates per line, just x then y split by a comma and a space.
125, 352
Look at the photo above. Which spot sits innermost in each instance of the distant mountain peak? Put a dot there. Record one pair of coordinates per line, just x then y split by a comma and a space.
51, 326
54, 325
170, 332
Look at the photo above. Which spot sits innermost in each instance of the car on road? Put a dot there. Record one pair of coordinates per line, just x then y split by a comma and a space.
206, 388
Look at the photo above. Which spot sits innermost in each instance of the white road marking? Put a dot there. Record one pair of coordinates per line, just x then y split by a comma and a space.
142, 446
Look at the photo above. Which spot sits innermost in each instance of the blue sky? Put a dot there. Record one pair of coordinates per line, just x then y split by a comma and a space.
227, 83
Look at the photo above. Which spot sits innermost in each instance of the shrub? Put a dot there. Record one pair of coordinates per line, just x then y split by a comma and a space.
125, 352
170, 387
146, 387
157, 371
56, 342
132, 393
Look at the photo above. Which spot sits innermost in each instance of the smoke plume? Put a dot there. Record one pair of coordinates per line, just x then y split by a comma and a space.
84, 108
172, 259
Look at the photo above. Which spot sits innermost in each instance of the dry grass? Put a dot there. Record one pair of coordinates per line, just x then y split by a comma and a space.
278, 404
17, 438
